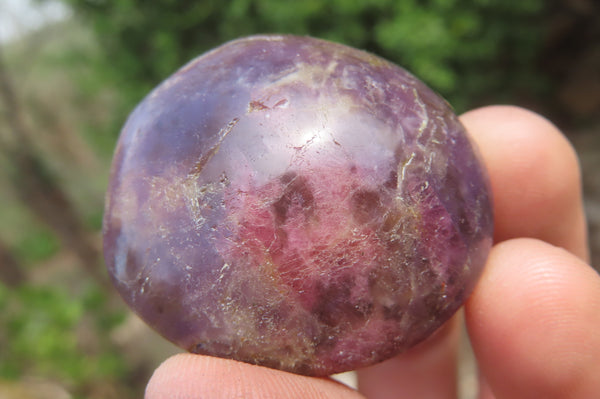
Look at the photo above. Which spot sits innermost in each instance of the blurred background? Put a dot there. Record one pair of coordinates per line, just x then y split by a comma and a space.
72, 70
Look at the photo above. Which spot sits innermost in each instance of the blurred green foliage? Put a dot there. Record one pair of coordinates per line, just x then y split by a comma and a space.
44, 330
36, 246
468, 50
57, 325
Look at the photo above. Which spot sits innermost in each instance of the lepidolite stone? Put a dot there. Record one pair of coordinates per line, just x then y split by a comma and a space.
297, 204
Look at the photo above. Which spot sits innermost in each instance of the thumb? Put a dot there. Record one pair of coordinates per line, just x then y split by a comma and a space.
188, 376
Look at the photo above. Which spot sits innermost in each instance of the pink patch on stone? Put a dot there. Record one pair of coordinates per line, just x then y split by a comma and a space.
296, 204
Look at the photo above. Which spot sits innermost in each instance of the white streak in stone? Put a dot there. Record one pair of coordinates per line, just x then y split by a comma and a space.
121, 257
222, 272
425, 115
412, 156
143, 288
402, 174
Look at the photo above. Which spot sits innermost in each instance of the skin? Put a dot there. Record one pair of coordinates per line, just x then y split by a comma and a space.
533, 318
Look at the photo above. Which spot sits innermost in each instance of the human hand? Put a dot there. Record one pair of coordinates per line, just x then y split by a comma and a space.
533, 319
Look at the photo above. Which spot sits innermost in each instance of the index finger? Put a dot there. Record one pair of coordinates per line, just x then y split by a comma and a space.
535, 177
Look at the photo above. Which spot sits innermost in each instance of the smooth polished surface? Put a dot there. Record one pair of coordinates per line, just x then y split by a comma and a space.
295, 203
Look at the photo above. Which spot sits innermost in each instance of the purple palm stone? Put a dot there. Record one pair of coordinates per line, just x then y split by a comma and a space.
295, 203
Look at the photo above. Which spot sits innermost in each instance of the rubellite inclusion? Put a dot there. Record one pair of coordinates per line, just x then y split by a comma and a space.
295, 203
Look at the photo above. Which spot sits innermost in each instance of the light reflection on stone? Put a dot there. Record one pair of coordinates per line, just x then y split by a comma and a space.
297, 204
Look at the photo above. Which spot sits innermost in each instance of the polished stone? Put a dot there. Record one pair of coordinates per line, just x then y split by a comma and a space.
298, 204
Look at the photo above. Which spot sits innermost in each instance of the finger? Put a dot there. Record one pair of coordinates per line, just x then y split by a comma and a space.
202, 377
534, 322
534, 175
536, 187
485, 392
516, 145
426, 371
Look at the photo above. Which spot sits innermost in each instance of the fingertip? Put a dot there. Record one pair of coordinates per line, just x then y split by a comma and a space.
535, 176
192, 376
534, 323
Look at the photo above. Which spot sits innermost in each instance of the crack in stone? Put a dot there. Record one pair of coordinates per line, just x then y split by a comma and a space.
212, 151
